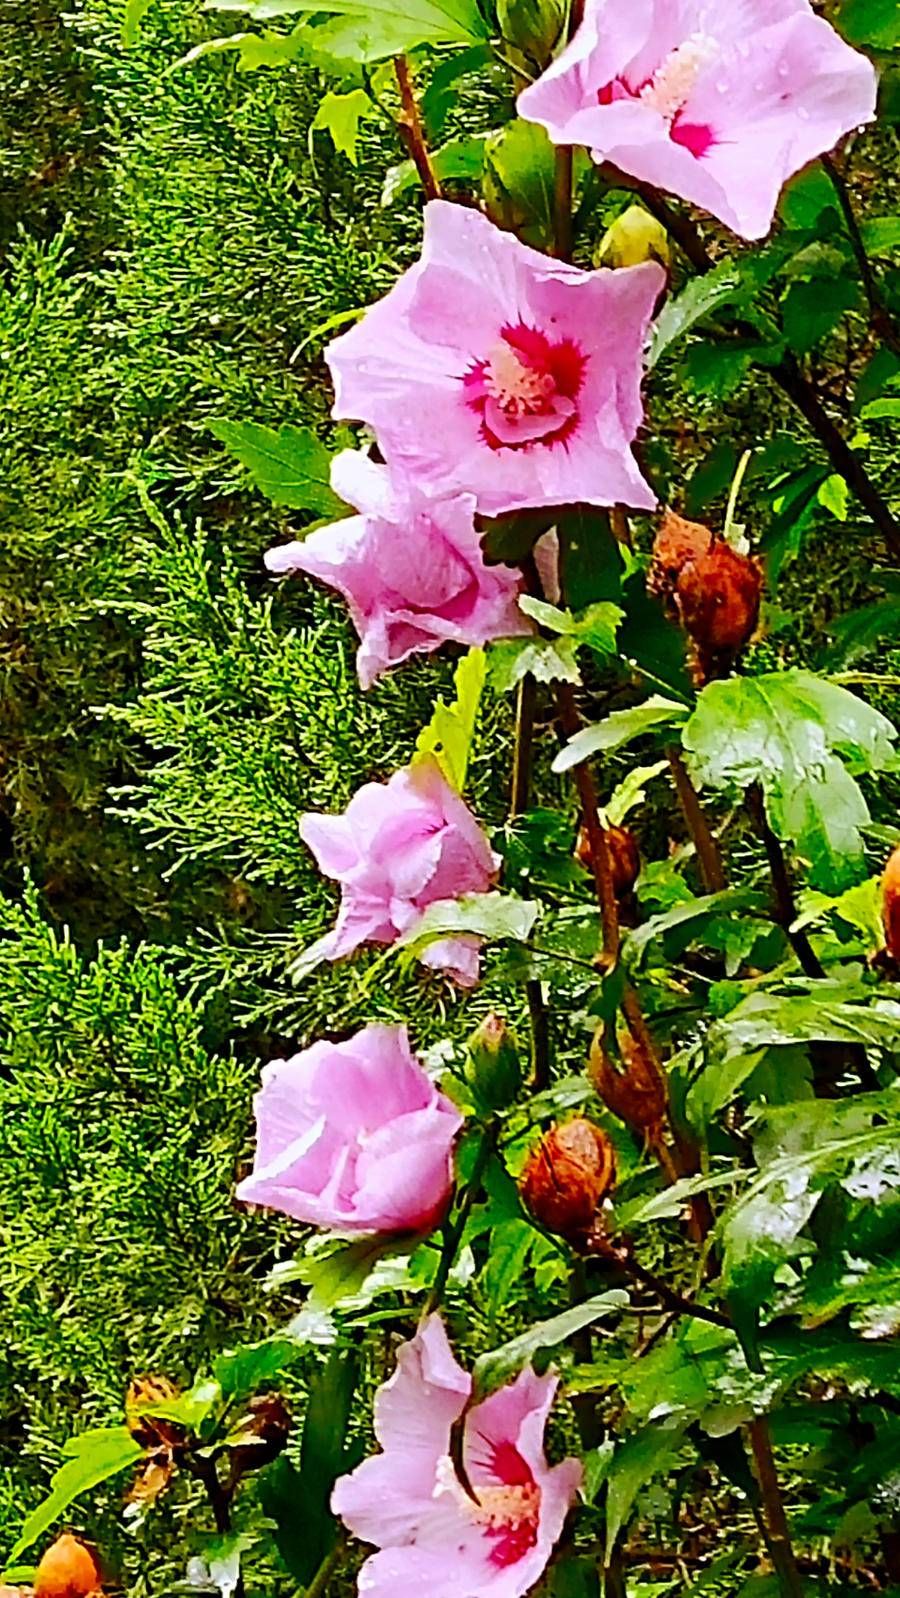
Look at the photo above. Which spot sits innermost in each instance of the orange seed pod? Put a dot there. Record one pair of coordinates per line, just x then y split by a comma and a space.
566, 1175
68, 1569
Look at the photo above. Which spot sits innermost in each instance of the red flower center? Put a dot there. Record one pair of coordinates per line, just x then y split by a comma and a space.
669, 89
526, 389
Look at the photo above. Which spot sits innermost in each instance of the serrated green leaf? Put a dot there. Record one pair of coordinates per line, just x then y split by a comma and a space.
448, 737
619, 728
89, 1459
635, 1462
370, 30
500, 1365
544, 659
796, 735
291, 467
702, 295
340, 116
241, 1371
631, 791
492, 916
461, 158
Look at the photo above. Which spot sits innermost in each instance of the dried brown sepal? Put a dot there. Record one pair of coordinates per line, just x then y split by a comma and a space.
712, 590
260, 1436
624, 857
637, 1093
152, 1479
567, 1175
68, 1569
151, 1431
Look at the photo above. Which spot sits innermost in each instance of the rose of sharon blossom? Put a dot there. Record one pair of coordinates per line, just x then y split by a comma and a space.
493, 370
354, 1136
410, 568
718, 101
398, 847
434, 1540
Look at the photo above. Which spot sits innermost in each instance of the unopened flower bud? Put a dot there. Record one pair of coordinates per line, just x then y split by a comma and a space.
633, 238
624, 857
712, 589
533, 26
638, 1093
493, 1069
68, 1569
890, 906
566, 1175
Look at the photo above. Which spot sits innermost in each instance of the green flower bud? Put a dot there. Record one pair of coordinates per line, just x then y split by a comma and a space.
493, 1069
634, 237
532, 26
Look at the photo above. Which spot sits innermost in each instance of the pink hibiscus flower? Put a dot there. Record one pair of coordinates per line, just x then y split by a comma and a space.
354, 1136
492, 370
398, 847
410, 568
718, 101
433, 1538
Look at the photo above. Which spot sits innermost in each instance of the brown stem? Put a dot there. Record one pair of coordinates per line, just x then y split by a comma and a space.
785, 905
598, 845
521, 790
668, 1296
412, 131
562, 202
880, 317
790, 379
709, 858
779, 1539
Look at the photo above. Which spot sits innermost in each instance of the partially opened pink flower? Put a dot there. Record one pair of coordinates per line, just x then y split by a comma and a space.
492, 370
354, 1136
398, 847
436, 1541
410, 568
717, 101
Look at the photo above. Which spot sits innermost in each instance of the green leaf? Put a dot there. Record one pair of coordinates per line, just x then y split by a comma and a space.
859, 632
702, 295
461, 158
812, 310
880, 409
192, 1408
635, 1462
369, 30
340, 115
631, 792
859, 907
596, 626
592, 561
511, 1246
297, 1500
291, 467
492, 916
621, 727
822, 1015
241, 1371
518, 183
545, 659
500, 1365
690, 918
873, 22
796, 735
256, 50
337, 1272
89, 1459
834, 495
881, 235
448, 736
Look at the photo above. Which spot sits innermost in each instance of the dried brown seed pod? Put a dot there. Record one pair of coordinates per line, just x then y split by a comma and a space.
624, 856
637, 1093
566, 1175
711, 588
151, 1431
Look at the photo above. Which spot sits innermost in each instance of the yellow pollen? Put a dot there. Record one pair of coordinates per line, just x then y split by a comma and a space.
673, 81
498, 1507
515, 386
